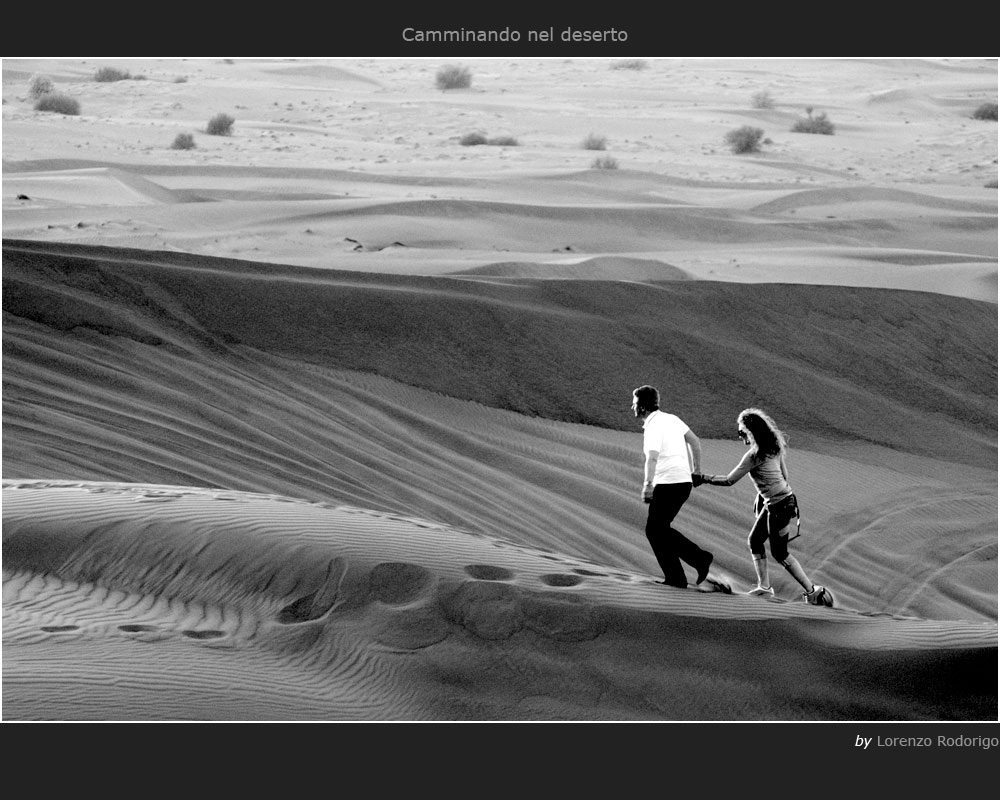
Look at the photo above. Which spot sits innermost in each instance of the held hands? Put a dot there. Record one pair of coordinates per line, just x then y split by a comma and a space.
647, 493
698, 478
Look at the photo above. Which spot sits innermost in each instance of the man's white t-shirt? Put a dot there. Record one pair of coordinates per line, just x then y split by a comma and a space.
665, 433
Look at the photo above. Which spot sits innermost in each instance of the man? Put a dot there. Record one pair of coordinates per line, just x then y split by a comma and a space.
672, 453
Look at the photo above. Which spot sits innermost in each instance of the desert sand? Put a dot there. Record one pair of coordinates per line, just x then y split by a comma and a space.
328, 419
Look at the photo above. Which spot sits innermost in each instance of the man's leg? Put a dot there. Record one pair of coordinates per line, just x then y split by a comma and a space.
688, 551
670, 545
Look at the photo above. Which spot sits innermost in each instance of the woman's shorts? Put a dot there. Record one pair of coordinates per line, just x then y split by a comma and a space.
774, 525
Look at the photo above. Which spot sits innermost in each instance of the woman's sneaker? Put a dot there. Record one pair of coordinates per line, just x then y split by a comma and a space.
762, 591
819, 596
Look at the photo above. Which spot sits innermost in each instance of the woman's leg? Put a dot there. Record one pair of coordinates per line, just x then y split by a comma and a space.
756, 539
779, 523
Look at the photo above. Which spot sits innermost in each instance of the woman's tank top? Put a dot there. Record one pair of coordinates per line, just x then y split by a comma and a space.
768, 479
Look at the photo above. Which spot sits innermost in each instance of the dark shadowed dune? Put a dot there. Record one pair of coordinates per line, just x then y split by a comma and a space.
907, 370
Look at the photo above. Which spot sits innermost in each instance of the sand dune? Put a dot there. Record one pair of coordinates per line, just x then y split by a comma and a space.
284, 609
329, 419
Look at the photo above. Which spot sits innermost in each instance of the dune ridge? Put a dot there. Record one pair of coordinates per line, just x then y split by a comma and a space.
311, 217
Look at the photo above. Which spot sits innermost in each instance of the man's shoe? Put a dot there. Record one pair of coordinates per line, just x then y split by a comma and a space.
703, 572
762, 591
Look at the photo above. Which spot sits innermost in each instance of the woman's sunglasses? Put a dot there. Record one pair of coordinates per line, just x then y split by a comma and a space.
743, 435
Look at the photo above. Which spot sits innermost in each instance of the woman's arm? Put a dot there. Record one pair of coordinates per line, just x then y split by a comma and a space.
746, 464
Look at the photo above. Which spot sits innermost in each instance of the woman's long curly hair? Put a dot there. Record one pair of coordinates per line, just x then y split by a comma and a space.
768, 440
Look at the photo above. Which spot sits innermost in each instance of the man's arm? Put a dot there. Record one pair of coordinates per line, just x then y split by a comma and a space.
694, 450
649, 471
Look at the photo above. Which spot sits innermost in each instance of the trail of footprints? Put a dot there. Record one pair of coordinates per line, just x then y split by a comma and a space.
486, 572
191, 634
392, 583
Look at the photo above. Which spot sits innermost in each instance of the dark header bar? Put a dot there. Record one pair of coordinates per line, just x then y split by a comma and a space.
370, 30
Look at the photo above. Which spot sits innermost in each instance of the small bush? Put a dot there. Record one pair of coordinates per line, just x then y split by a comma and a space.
595, 142
453, 77
111, 74
220, 125
986, 111
58, 103
183, 141
472, 139
181, 79
40, 85
604, 162
990, 184
503, 141
811, 124
745, 139
762, 100
631, 63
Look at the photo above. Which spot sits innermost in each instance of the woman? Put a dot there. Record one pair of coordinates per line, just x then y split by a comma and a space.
775, 506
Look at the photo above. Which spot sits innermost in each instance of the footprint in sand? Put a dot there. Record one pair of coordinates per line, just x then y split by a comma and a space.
137, 628
60, 628
316, 604
396, 583
557, 579
486, 572
203, 634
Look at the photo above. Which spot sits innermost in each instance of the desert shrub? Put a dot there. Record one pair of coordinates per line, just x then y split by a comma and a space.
745, 139
811, 124
58, 103
762, 99
220, 125
503, 141
472, 139
111, 74
183, 141
986, 111
631, 63
40, 85
451, 76
604, 162
595, 142
990, 184
181, 79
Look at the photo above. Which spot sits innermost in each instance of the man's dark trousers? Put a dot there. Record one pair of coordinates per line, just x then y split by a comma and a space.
670, 546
